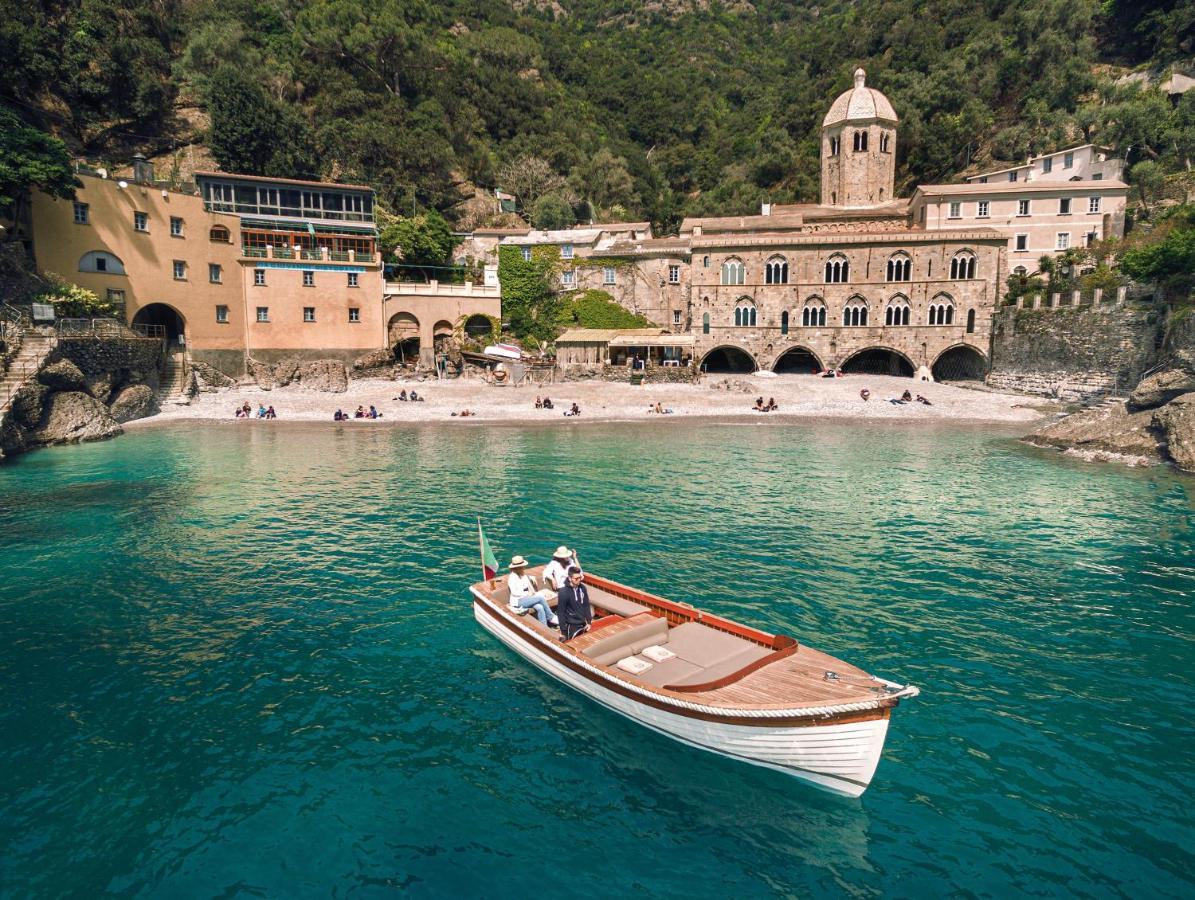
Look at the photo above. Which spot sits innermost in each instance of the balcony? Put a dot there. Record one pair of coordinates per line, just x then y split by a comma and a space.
316, 255
438, 289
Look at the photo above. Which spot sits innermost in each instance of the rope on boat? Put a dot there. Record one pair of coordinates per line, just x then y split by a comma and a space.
742, 712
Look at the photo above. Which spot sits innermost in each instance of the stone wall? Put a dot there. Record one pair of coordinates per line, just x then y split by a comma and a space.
1074, 353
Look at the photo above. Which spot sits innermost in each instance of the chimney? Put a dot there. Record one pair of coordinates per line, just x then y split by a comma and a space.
143, 169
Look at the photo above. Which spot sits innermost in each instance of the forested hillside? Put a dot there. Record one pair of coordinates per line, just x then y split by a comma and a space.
641, 108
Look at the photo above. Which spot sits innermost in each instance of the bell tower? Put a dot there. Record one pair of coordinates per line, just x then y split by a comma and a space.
859, 148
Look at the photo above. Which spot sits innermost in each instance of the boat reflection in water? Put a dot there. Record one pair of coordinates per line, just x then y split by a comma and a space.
711, 683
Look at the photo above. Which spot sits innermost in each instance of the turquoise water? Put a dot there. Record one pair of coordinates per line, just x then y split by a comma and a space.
239, 660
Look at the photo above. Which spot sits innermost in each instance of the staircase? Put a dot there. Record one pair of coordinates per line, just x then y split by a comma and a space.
173, 386
35, 347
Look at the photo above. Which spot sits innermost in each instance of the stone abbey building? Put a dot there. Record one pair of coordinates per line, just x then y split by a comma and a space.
862, 280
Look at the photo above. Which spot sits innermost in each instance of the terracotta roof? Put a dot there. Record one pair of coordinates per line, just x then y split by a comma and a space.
845, 238
605, 335
331, 184
1018, 187
500, 232
859, 104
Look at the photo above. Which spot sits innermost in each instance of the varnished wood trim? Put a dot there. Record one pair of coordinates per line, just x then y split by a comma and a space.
565, 657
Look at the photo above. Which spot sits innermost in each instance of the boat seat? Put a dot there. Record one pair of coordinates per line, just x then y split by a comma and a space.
719, 670
706, 647
670, 671
617, 605
627, 643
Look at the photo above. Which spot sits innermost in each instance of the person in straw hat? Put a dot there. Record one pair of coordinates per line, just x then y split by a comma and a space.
524, 596
556, 572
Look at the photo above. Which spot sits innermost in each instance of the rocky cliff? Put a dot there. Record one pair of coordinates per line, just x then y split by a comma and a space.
87, 388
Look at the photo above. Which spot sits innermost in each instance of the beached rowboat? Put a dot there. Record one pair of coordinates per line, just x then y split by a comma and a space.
710, 682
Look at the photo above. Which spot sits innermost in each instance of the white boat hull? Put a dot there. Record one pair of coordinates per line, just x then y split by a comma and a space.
841, 758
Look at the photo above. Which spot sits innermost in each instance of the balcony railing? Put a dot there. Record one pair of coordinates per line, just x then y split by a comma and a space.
315, 255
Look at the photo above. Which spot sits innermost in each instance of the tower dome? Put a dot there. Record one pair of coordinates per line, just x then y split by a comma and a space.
860, 104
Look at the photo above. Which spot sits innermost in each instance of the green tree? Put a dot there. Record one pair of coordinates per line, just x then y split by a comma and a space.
254, 135
422, 240
551, 212
1169, 262
31, 160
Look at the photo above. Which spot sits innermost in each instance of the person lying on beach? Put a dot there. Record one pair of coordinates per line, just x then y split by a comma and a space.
524, 594
906, 396
865, 394
464, 413
921, 399
270, 414
895, 401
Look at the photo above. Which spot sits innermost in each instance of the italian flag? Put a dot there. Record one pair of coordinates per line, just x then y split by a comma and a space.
489, 564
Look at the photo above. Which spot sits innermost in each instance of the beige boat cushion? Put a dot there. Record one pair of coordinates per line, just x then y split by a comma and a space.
670, 672
723, 668
624, 643
704, 646
617, 605
634, 664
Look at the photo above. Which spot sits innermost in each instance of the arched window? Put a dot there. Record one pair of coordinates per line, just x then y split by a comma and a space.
962, 266
1021, 271
941, 310
221, 234
784, 322
705, 324
776, 271
733, 271
970, 321
897, 311
705, 262
814, 313
855, 312
744, 313
838, 270
101, 261
885, 138
900, 267
834, 144
860, 141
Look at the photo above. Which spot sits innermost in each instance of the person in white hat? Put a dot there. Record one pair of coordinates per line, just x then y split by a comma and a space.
524, 596
556, 572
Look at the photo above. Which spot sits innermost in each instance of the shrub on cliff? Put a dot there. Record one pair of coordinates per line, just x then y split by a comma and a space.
73, 302
597, 309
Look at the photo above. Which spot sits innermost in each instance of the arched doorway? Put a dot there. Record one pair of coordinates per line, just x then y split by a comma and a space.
479, 328
441, 334
160, 321
404, 337
797, 361
728, 360
961, 363
879, 361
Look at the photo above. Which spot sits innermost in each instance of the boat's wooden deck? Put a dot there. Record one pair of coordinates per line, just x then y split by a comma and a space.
796, 679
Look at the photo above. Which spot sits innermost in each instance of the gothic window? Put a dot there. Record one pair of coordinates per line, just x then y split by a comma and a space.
860, 141
885, 139
733, 272
837, 269
900, 267
705, 324
962, 266
744, 313
814, 313
897, 311
970, 321
855, 312
941, 310
776, 271
784, 322
834, 143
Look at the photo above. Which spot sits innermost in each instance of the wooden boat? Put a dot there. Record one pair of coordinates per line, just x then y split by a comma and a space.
712, 683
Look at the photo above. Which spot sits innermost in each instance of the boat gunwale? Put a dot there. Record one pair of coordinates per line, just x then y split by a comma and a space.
758, 715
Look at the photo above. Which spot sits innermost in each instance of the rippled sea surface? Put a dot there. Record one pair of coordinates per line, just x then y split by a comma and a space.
240, 660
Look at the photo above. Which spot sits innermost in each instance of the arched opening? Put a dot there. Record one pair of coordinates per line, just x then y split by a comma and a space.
441, 334
404, 337
102, 262
478, 327
961, 363
797, 361
879, 361
728, 360
160, 321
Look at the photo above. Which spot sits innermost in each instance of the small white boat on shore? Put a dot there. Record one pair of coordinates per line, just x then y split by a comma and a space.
503, 351
710, 682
